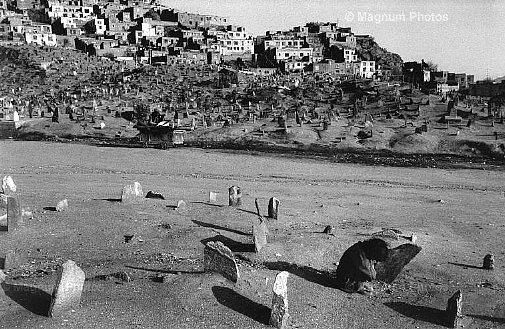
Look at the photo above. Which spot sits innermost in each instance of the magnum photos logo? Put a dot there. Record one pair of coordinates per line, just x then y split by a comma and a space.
396, 17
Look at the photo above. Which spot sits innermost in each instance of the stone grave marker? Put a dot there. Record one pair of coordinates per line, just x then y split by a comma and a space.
68, 290
219, 258
280, 316
8, 186
212, 197
181, 205
235, 196
488, 263
273, 208
10, 260
132, 193
454, 310
14, 217
260, 232
398, 257
62, 205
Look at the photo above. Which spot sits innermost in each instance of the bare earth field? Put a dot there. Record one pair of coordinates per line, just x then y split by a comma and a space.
456, 214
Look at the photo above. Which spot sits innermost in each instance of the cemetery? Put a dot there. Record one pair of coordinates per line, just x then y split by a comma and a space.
210, 239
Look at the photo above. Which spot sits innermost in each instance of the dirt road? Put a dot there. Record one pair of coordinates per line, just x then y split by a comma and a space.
456, 214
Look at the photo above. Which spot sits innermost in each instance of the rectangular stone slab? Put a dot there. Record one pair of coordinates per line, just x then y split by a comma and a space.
398, 257
260, 231
280, 315
68, 289
13, 213
219, 258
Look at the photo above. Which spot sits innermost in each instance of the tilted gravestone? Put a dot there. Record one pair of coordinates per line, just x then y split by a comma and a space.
488, 263
273, 208
219, 258
398, 257
280, 316
235, 196
454, 310
132, 193
260, 231
68, 290
14, 217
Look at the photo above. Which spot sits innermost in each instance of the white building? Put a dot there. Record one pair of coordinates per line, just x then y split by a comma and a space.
235, 41
41, 39
350, 55
285, 54
365, 69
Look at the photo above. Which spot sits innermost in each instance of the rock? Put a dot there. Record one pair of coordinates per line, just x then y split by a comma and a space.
154, 195
14, 218
219, 258
235, 196
8, 185
62, 205
398, 257
413, 238
212, 197
123, 276
273, 208
128, 238
488, 263
441, 201
181, 205
2, 276
260, 231
387, 234
68, 290
280, 316
454, 310
132, 193
328, 229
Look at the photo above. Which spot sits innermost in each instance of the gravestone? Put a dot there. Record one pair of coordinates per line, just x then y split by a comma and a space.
273, 208
132, 193
14, 217
62, 205
235, 196
488, 263
398, 257
387, 233
181, 205
328, 229
260, 231
8, 186
67, 292
212, 197
2, 277
10, 260
280, 316
219, 258
454, 310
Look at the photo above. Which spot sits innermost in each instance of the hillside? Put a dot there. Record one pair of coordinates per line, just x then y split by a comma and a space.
369, 50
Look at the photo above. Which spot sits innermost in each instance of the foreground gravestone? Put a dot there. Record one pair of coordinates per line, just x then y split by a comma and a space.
8, 186
260, 231
280, 316
14, 217
454, 310
219, 258
398, 257
68, 290
273, 208
62, 205
235, 196
132, 193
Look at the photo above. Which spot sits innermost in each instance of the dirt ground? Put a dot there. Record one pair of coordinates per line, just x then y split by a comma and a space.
456, 214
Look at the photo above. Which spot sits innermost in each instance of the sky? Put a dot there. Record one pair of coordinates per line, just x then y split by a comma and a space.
461, 36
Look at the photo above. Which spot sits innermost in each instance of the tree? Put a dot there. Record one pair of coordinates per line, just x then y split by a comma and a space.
432, 66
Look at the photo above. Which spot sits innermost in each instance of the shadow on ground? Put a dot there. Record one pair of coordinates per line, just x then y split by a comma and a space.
466, 265
234, 246
33, 299
324, 278
233, 300
217, 227
421, 313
